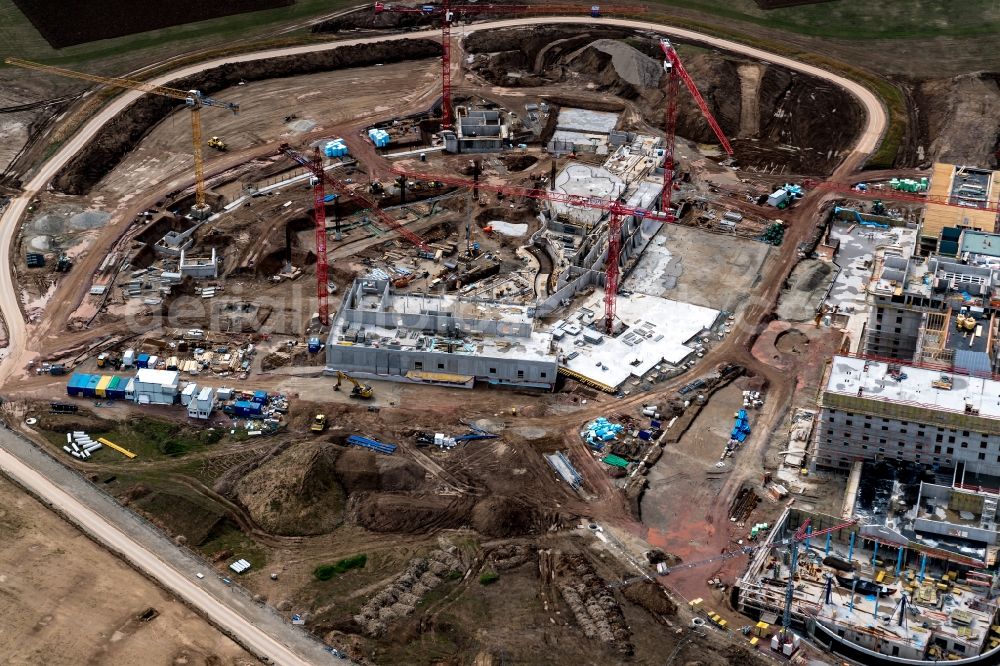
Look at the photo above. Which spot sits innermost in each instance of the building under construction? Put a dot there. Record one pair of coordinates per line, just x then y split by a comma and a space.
438, 339
879, 410
872, 594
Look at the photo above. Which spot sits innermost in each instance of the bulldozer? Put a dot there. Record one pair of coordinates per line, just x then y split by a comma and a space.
217, 143
360, 391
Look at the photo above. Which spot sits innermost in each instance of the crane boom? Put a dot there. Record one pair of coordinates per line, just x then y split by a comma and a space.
447, 12
193, 99
594, 203
678, 67
617, 210
342, 190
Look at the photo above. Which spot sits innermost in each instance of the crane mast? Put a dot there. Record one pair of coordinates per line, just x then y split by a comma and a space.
193, 99
447, 12
676, 73
320, 180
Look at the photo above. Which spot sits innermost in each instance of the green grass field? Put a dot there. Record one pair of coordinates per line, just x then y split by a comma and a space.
121, 54
863, 19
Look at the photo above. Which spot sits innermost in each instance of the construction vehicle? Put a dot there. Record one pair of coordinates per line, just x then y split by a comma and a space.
319, 423
360, 391
217, 143
193, 100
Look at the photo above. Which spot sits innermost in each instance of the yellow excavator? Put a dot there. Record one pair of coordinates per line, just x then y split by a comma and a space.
218, 144
360, 391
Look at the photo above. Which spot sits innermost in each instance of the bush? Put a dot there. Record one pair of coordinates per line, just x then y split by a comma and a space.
489, 577
328, 571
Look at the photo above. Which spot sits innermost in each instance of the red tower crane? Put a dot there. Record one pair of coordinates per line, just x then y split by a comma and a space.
447, 12
616, 209
676, 73
320, 179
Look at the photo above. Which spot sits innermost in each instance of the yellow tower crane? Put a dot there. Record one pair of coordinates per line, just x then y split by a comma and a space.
194, 100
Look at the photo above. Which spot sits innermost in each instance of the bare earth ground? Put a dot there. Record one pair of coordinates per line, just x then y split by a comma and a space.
318, 100
64, 600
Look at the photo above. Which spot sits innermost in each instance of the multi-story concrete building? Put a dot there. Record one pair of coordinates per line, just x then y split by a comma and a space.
917, 303
873, 410
378, 333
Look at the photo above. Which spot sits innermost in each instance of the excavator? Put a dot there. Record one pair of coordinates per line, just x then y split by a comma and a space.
218, 144
360, 391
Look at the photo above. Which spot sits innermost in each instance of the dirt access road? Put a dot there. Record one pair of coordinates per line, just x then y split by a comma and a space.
16, 354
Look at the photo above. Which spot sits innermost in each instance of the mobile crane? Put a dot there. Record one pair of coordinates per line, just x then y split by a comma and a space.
360, 391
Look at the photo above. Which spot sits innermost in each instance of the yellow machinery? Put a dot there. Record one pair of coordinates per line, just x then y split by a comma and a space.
319, 423
360, 391
194, 100
217, 143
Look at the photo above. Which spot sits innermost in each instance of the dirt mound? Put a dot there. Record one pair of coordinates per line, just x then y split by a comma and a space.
124, 132
500, 516
957, 121
407, 513
363, 471
652, 597
622, 61
295, 493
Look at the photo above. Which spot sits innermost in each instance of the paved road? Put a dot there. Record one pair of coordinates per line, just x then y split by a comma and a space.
156, 555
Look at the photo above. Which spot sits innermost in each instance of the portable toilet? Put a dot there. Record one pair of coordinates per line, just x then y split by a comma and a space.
315, 344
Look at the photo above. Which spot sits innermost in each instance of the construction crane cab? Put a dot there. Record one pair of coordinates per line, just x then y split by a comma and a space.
360, 391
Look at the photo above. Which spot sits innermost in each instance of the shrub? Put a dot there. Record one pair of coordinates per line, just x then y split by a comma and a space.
328, 571
489, 577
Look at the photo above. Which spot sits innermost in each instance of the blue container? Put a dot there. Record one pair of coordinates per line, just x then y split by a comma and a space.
142, 361
315, 344
246, 408
644, 435
90, 388
76, 383
656, 425
260, 397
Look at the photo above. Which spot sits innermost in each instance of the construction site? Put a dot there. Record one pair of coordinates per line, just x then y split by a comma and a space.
412, 340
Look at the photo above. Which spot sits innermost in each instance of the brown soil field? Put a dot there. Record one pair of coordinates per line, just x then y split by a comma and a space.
64, 600
69, 23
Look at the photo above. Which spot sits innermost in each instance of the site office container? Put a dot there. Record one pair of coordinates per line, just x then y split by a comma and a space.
142, 361
246, 408
116, 389
90, 388
76, 384
260, 397
102, 386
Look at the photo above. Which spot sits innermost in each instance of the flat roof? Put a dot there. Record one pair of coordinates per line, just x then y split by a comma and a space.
945, 182
980, 242
161, 377
585, 120
658, 331
848, 374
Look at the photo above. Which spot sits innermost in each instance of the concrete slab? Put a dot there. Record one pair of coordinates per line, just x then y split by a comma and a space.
658, 330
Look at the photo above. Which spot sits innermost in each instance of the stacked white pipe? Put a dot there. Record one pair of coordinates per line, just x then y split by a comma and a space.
80, 445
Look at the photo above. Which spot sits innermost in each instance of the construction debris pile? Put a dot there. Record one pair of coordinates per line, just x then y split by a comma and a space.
401, 597
592, 602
